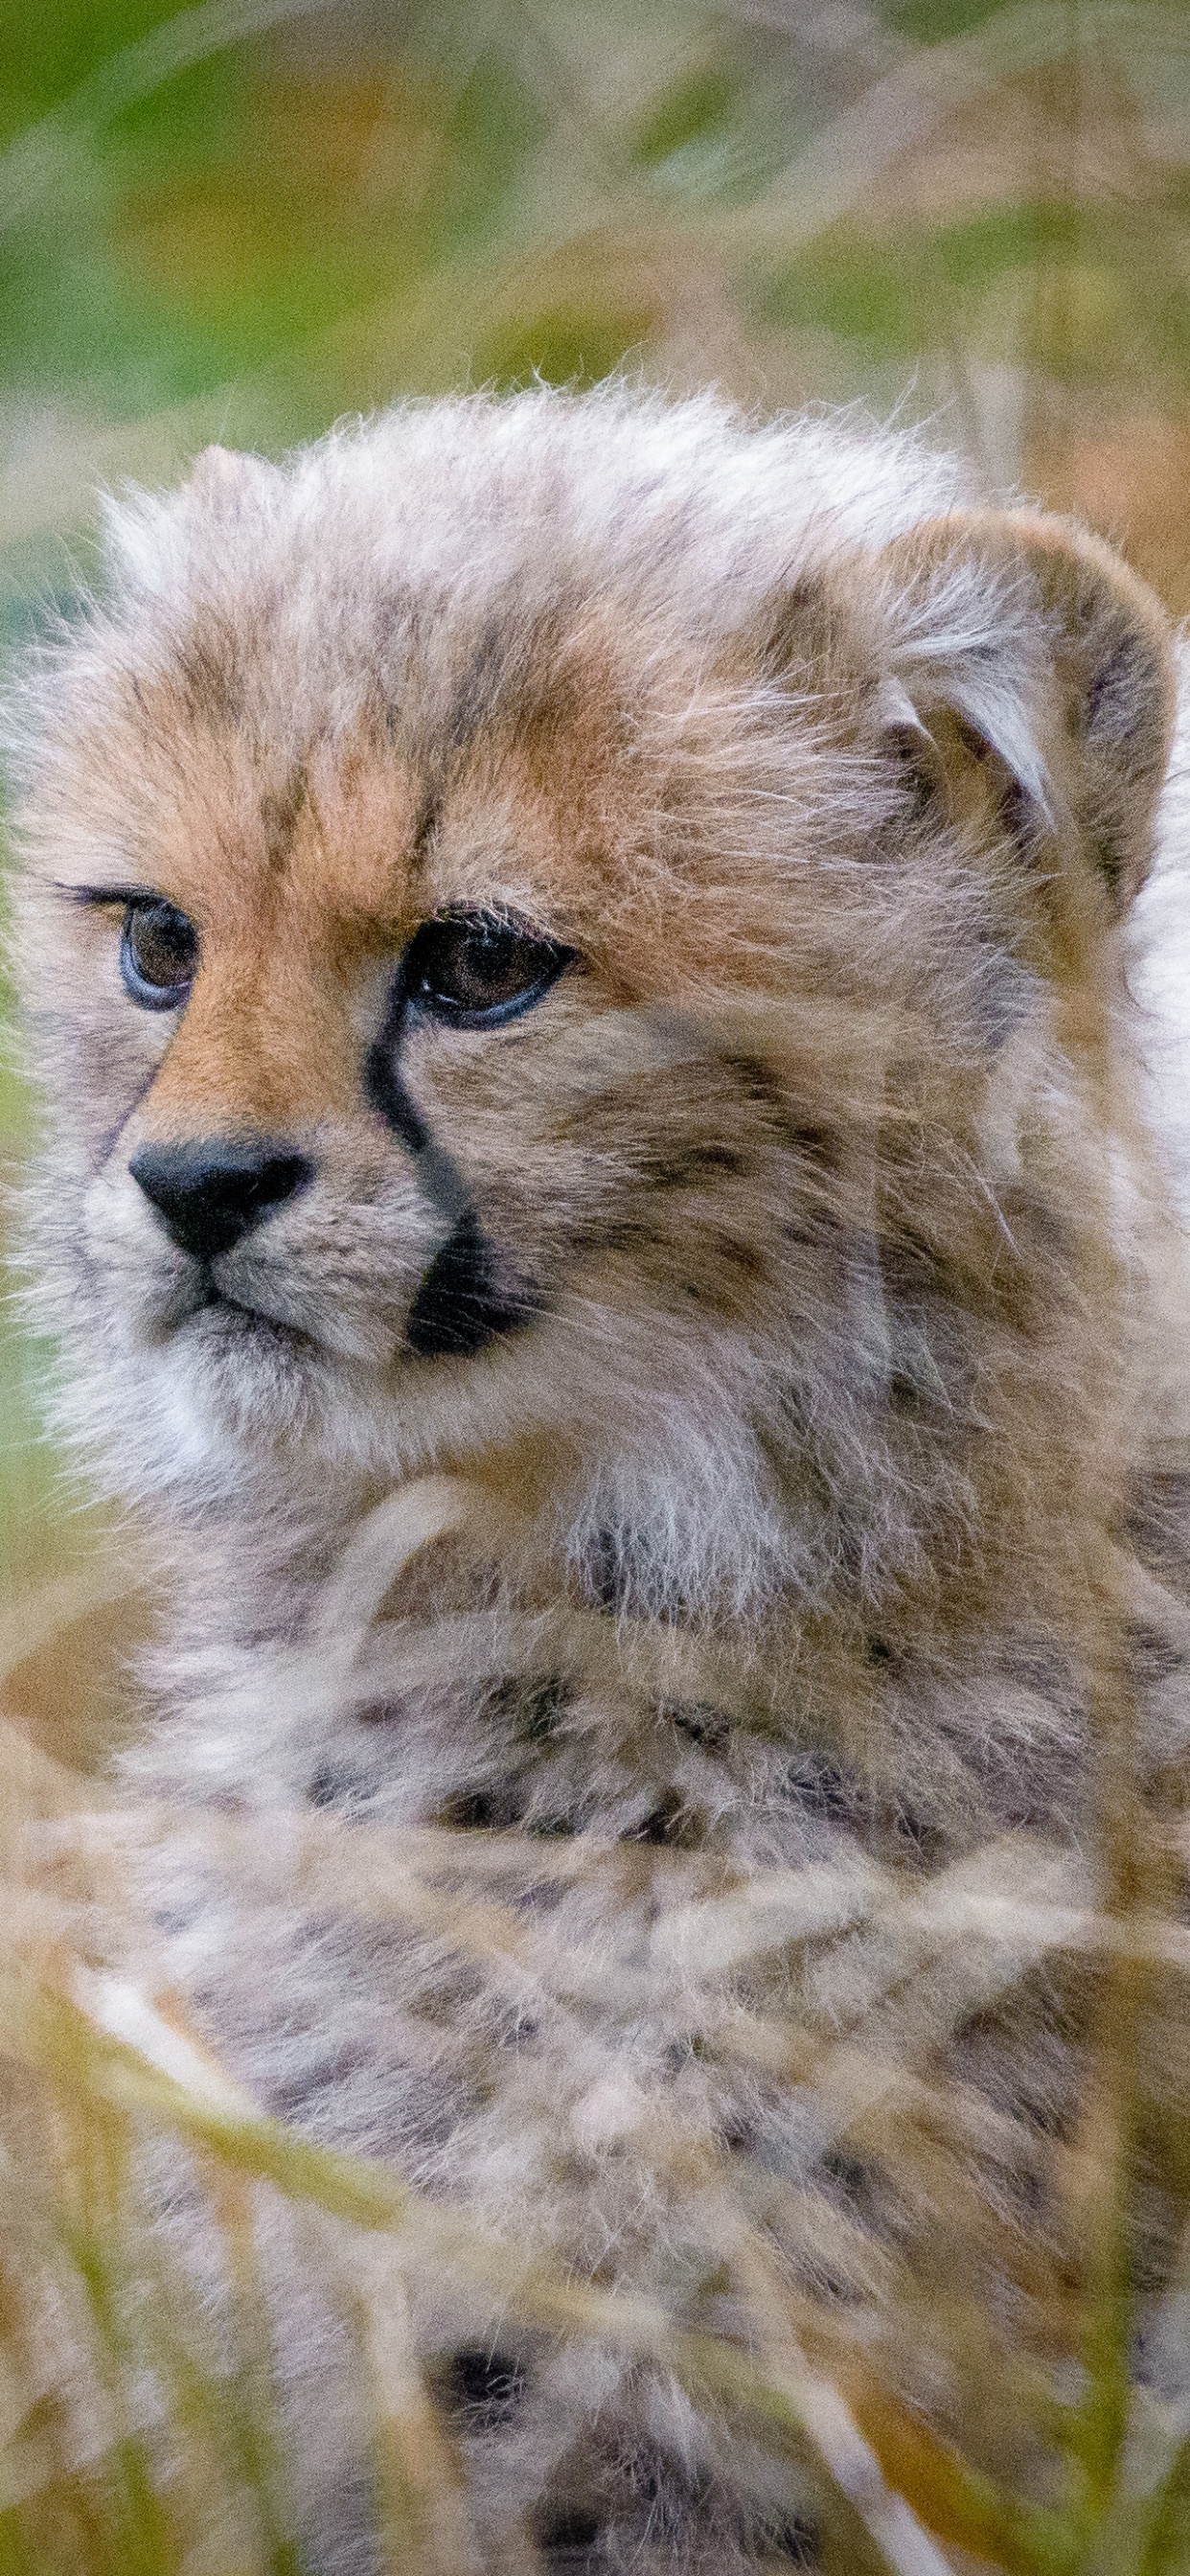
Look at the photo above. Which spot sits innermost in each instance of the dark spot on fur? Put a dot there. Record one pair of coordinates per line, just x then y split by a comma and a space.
615, 1234
380, 1712
534, 1708
852, 2178
698, 1720
606, 1576
909, 1264
211, 674
178, 1916
324, 1789
1039, 1664
796, 632
1030, 2191
911, 1837
742, 1258
293, 2097
481, 1810
481, 2389
459, 1308
1152, 1656
1021, 818
820, 1788
669, 1822
519, 672
811, 1143
690, 1164
928, 1280
905, 1398
676, 2498
917, 780
729, 1268
1159, 1526
756, 1079
795, 2539
1045, 1234
565, 2534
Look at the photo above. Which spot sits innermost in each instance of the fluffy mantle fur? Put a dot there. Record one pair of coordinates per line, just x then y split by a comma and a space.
789, 1523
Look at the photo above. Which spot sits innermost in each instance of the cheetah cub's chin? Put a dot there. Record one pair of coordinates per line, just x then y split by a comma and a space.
582, 951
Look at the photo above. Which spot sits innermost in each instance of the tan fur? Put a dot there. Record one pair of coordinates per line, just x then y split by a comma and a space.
841, 1362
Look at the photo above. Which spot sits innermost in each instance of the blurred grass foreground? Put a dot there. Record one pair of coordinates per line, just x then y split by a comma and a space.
241, 220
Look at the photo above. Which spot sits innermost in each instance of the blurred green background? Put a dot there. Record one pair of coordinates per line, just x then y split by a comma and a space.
242, 219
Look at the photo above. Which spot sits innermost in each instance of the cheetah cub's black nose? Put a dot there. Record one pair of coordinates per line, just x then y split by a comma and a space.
212, 1193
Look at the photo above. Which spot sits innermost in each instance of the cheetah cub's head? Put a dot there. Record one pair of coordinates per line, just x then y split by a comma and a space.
556, 922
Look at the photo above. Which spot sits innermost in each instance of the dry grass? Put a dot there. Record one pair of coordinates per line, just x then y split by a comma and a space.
140, 2438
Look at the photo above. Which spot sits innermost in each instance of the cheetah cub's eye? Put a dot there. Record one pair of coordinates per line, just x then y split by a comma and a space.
473, 970
158, 953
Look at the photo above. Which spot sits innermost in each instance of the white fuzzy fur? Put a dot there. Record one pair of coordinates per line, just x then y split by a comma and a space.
735, 1584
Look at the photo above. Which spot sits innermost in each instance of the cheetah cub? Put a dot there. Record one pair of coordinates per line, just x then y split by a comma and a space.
608, 1202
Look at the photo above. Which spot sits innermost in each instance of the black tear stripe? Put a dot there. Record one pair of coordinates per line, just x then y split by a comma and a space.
460, 1306
388, 1094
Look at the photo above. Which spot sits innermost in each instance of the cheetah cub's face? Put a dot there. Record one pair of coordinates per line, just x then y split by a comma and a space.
494, 888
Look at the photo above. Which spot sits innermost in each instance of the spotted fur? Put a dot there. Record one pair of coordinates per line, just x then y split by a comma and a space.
795, 1285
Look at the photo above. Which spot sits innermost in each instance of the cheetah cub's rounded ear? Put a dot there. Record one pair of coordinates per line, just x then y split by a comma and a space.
1026, 638
155, 543
221, 476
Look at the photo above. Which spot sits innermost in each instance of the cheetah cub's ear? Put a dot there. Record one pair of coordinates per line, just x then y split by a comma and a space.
1022, 641
157, 543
